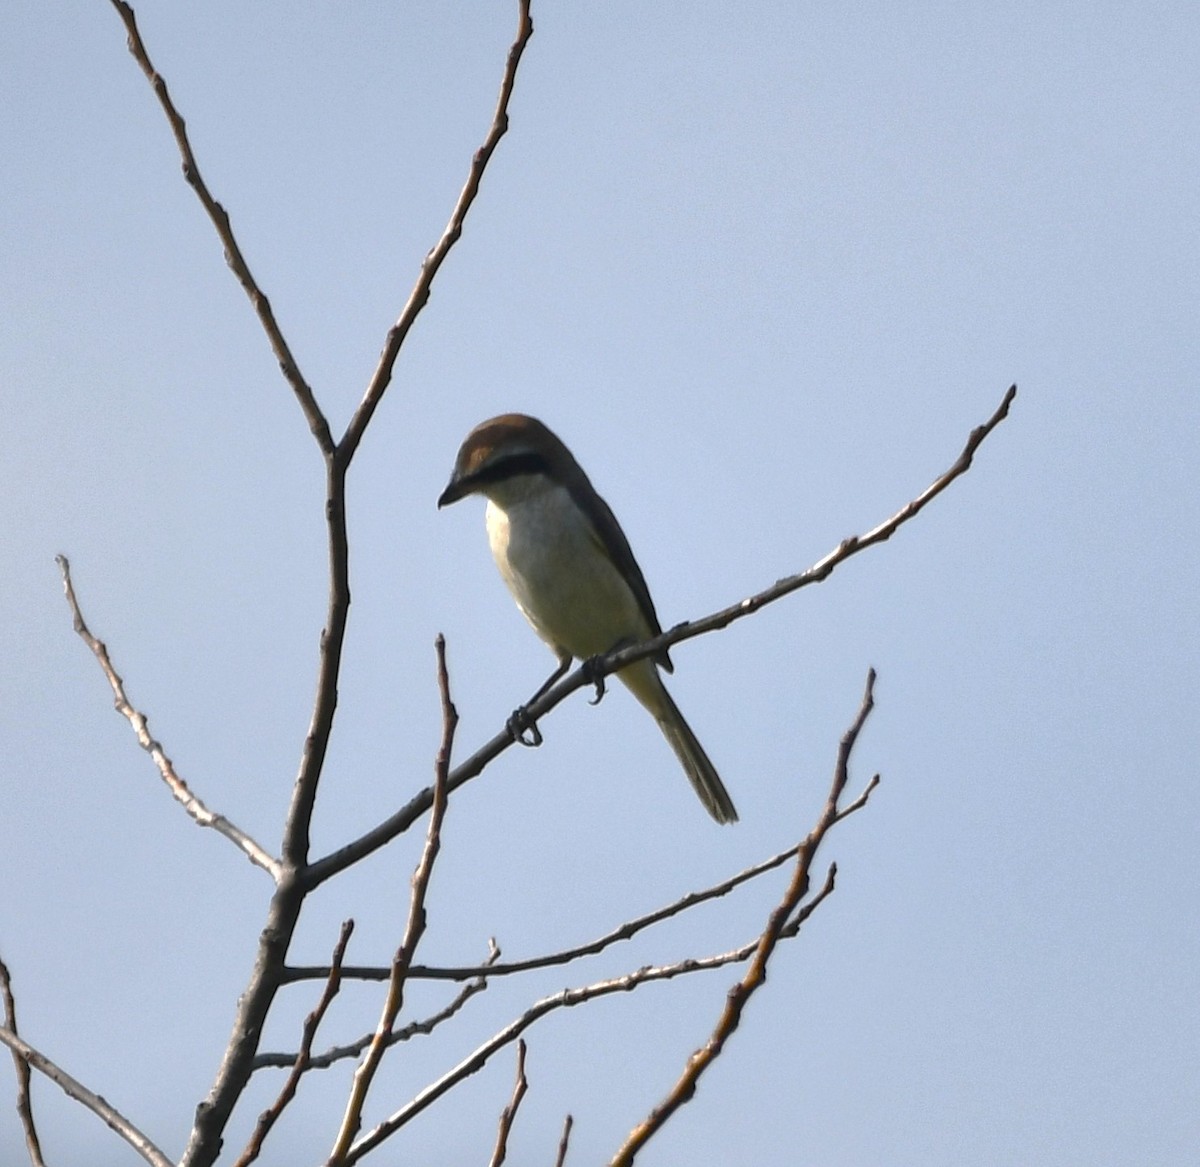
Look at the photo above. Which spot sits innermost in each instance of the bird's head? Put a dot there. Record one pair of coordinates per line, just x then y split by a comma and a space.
503, 448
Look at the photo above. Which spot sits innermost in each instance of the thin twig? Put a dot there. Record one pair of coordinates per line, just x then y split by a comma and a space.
821, 570
24, 1100
859, 802
414, 929
561, 1158
89, 1100
354, 1049
564, 999
624, 931
777, 925
433, 261
399, 822
220, 220
141, 728
509, 1113
642, 975
303, 1060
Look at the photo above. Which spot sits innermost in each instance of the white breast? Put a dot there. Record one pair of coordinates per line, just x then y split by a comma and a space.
558, 572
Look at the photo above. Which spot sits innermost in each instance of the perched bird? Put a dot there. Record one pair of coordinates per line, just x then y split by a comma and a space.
567, 562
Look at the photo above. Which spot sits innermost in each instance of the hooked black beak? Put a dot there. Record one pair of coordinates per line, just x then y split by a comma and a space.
456, 488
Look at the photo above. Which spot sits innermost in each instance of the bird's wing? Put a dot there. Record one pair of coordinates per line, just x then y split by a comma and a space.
611, 539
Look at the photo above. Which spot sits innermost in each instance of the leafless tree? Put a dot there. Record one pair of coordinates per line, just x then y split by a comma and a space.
296, 872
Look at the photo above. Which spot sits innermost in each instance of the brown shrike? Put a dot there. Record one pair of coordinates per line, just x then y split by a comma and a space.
567, 562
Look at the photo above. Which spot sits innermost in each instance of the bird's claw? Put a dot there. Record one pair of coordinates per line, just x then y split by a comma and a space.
593, 676
523, 729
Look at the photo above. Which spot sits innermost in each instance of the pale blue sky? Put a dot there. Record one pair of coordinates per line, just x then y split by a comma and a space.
763, 268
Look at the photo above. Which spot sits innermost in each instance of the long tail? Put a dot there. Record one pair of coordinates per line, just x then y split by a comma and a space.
647, 686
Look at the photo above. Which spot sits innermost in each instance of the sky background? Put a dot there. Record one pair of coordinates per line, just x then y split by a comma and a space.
763, 269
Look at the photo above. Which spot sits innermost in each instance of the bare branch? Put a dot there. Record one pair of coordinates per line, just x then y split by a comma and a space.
303, 1060
220, 220
76, 1090
819, 571
859, 802
414, 929
777, 926
212, 1115
338, 459
396, 824
509, 1113
433, 261
622, 932
355, 1048
141, 727
561, 1158
565, 999
294, 883
571, 997
317, 872
24, 1100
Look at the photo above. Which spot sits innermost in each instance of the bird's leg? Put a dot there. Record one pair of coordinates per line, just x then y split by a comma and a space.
592, 674
591, 667
564, 663
521, 727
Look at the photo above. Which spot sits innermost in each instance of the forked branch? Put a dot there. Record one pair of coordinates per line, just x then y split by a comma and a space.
292, 885
353, 1049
